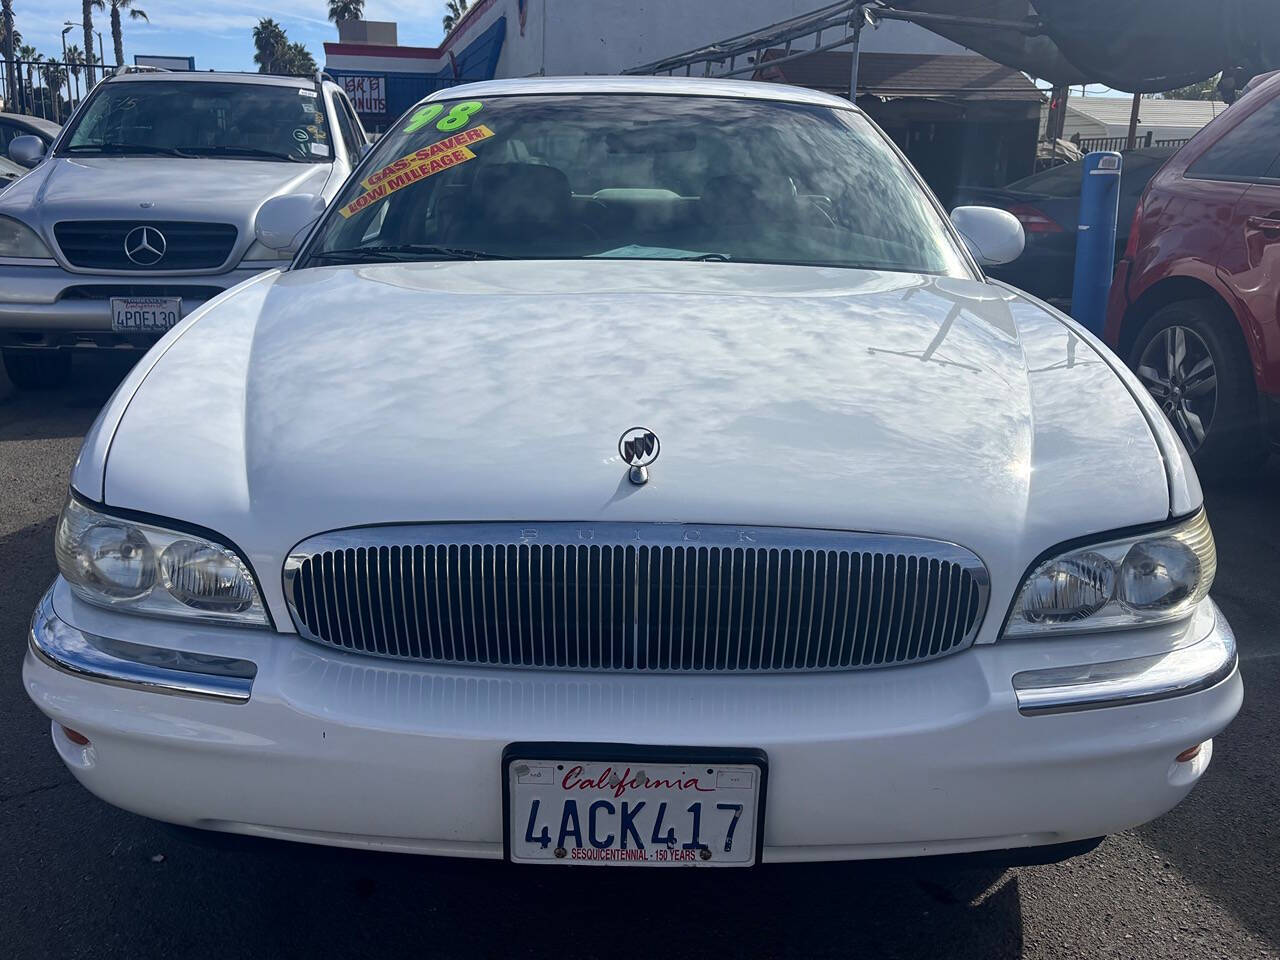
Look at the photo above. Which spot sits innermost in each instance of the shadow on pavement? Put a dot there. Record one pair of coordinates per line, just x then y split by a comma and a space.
356, 904
26, 569
68, 410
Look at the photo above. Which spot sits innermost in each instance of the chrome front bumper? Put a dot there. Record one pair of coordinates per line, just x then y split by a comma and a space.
926, 759
1189, 669
135, 666
36, 298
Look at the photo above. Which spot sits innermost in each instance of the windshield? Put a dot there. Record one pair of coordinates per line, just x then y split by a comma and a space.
638, 177
246, 121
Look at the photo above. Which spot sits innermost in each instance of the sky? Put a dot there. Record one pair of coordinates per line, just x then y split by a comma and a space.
218, 33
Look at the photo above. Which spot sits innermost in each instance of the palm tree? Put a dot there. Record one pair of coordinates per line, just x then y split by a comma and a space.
269, 41
29, 53
340, 10
86, 10
134, 14
456, 9
75, 62
297, 61
54, 76
9, 37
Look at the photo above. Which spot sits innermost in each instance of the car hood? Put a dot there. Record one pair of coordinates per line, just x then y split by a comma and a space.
160, 188
324, 398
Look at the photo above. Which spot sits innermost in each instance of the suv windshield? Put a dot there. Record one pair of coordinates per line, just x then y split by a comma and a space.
247, 121
643, 177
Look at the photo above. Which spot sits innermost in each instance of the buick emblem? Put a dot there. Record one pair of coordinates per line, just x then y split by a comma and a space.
639, 447
145, 246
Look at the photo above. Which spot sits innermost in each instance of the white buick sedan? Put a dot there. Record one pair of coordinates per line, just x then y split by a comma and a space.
635, 472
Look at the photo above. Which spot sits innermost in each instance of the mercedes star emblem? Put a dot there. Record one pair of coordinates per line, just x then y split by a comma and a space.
145, 246
639, 447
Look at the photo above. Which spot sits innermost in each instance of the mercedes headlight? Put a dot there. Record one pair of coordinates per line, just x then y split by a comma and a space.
133, 566
19, 240
1132, 582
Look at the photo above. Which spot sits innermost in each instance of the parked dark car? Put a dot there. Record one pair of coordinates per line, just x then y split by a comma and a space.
1195, 300
1048, 205
19, 125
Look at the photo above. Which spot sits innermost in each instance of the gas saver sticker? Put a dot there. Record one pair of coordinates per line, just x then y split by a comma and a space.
403, 178
427, 154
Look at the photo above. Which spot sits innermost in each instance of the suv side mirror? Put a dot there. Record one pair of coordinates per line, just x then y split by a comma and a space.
282, 221
992, 236
26, 150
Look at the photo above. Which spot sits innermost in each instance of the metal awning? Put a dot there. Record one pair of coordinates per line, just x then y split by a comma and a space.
1140, 46
961, 78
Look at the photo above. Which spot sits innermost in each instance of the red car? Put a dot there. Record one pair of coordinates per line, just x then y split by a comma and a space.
1195, 300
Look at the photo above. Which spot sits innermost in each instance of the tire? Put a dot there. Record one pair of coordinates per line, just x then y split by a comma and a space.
37, 369
1192, 359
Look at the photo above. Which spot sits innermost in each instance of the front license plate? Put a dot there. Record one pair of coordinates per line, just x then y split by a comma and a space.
620, 805
144, 314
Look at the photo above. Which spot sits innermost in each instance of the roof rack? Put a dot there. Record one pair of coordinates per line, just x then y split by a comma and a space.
845, 20
803, 36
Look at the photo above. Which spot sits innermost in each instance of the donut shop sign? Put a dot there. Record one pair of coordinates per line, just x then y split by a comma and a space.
368, 93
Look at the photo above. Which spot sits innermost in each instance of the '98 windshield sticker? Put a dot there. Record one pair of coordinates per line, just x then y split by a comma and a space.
415, 167
457, 117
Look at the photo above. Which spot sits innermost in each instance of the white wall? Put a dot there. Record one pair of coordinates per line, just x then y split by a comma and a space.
608, 36
1077, 122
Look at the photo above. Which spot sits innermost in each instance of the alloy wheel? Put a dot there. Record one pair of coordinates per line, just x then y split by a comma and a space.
1178, 369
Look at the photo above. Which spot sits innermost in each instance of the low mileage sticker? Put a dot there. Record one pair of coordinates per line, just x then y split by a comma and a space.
417, 166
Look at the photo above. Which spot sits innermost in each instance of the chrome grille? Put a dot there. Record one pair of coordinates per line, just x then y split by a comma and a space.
638, 597
100, 244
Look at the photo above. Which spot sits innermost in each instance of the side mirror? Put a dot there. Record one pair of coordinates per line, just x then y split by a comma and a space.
282, 221
26, 150
992, 236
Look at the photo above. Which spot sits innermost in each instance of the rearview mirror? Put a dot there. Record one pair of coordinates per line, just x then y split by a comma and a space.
283, 221
992, 236
26, 150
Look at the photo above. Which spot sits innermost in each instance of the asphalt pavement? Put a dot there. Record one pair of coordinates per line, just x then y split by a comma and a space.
81, 879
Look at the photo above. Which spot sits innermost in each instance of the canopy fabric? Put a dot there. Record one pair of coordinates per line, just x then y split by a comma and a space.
1140, 46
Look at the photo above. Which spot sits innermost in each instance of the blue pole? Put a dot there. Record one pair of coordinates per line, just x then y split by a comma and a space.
1096, 238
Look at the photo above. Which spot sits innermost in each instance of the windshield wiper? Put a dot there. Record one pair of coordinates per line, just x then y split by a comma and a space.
405, 251
706, 256
126, 148
357, 255
220, 151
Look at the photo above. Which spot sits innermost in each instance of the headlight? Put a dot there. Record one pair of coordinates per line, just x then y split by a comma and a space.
19, 240
145, 569
1137, 581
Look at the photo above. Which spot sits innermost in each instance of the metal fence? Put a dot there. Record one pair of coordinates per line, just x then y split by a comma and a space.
1093, 144
49, 89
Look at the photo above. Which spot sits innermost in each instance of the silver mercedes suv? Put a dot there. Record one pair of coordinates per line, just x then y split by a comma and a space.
144, 206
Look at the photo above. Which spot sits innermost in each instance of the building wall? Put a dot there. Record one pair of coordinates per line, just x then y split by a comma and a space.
1077, 122
1164, 119
1087, 127
563, 37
